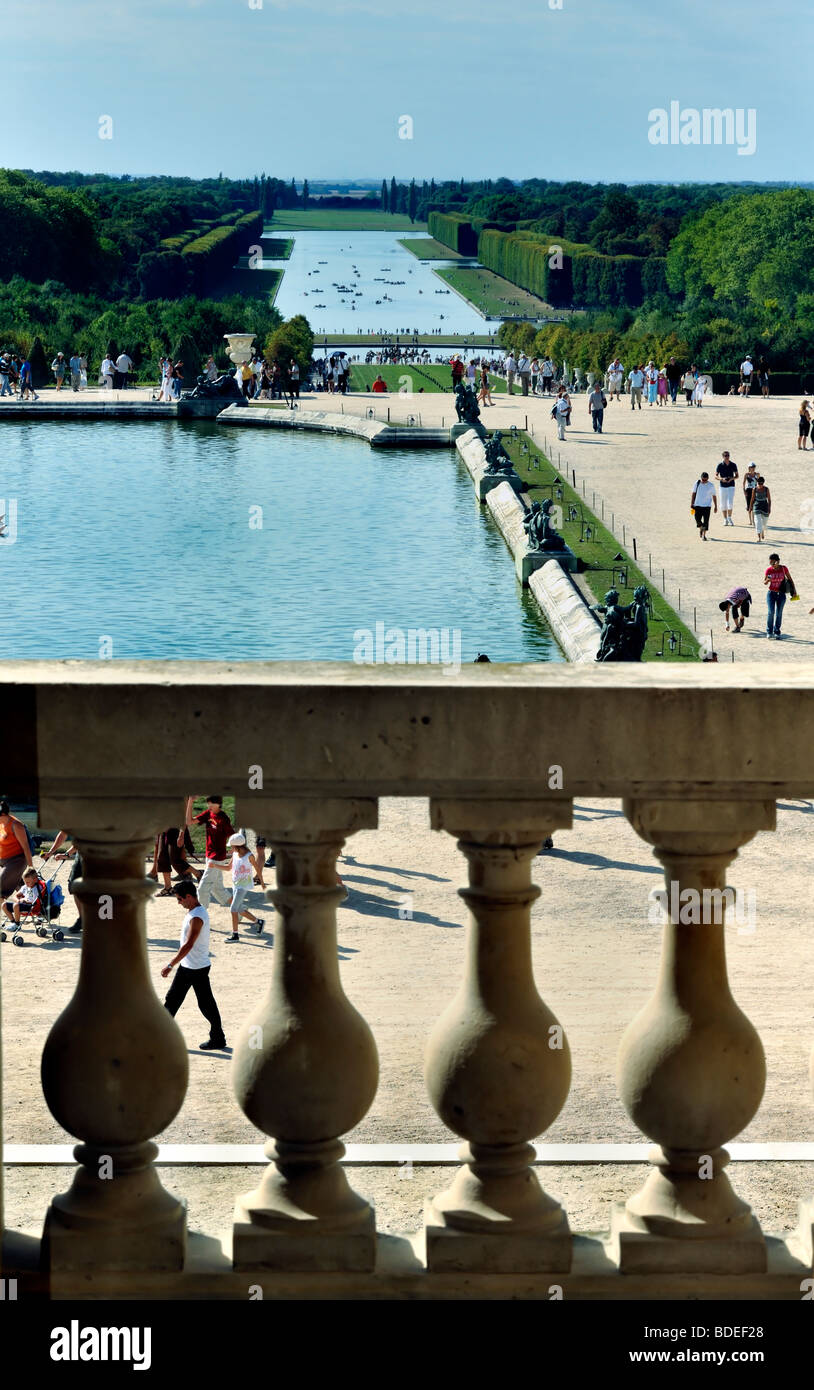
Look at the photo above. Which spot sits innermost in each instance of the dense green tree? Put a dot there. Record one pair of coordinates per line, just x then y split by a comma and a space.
293, 339
384, 195
412, 201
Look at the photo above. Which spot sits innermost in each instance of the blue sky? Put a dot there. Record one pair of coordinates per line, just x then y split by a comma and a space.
315, 88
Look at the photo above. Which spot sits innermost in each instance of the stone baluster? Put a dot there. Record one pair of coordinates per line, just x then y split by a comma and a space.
114, 1073
498, 1067
305, 1068
691, 1066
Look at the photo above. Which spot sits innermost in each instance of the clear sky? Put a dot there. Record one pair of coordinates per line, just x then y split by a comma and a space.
315, 88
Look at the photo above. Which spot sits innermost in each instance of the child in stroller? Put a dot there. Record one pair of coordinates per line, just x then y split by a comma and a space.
37, 901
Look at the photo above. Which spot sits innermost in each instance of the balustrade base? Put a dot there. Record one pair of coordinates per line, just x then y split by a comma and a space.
304, 1247
805, 1230
71, 1245
639, 1251
451, 1250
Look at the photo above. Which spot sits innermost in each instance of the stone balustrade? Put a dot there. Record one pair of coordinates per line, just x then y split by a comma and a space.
501, 753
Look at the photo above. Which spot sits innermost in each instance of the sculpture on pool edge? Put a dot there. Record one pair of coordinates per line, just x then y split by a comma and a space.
223, 387
497, 460
624, 632
466, 405
539, 530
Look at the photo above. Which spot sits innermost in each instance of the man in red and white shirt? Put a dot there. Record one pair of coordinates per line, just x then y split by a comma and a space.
218, 856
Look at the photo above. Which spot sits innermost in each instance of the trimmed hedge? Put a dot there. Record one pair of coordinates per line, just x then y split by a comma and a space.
455, 230
580, 275
210, 256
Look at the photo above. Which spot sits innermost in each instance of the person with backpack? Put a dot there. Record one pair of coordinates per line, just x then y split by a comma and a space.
780, 586
761, 506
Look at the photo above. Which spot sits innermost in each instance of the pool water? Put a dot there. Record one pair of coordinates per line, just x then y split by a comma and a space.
419, 300
196, 540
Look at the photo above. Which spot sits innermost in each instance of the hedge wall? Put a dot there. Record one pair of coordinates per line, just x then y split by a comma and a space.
580, 275
210, 256
455, 230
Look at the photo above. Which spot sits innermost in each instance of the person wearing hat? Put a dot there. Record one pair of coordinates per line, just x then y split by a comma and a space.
59, 367
244, 868
746, 375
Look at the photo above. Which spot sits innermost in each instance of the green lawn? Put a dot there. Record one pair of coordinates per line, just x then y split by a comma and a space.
600, 551
494, 296
277, 248
432, 378
428, 249
341, 220
255, 284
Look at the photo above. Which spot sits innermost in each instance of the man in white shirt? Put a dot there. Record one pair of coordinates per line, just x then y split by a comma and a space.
123, 366
746, 376
561, 411
192, 957
106, 371
510, 366
636, 382
616, 374
547, 373
703, 497
524, 372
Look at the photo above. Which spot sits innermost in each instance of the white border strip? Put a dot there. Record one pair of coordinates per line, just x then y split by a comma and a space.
393, 1155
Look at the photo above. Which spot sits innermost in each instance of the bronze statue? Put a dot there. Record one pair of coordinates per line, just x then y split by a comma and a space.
624, 632
466, 404
497, 460
539, 530
223, 386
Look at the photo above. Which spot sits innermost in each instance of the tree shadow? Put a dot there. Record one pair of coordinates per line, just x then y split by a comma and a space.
372, 905
405, 873
601, 861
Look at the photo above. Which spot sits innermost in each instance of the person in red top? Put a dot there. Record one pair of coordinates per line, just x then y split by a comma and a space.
15, 852
379, 384
779, 583
218, 857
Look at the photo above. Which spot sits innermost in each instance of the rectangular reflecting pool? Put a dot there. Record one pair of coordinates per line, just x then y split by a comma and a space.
161, 540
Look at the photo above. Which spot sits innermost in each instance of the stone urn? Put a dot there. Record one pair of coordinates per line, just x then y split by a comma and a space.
239, 347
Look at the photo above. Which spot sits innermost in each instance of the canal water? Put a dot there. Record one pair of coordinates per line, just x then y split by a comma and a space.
201, 541
321, 281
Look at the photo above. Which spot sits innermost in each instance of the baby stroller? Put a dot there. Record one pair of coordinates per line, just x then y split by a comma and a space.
49, 904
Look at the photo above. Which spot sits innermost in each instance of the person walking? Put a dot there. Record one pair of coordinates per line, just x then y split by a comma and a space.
167, 856
192, 958
780, 585
688, 384
535, 375
485, 393
736, 605
510, 367
294, 380
615, 375
245, 866
59, 368
703, 498
218, 828
524, 372
636, 382
75, 366
727, 475
803, 426
561, 412
651, 376
15, 851
106, 371
547, 373
761, 506
5, 373
597, 404
663, 386
674, 374
763, 376
749, 485
746, 371
27, 381
700, 391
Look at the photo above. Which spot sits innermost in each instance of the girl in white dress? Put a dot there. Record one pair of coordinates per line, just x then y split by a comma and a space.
699, 392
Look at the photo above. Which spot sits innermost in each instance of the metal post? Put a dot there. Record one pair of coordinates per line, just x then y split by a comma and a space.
603, 509
624, 536
679, 600
635, 556
695, 619
663, 584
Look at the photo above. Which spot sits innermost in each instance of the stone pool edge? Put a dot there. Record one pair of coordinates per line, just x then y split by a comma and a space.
377, 433
575, 627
